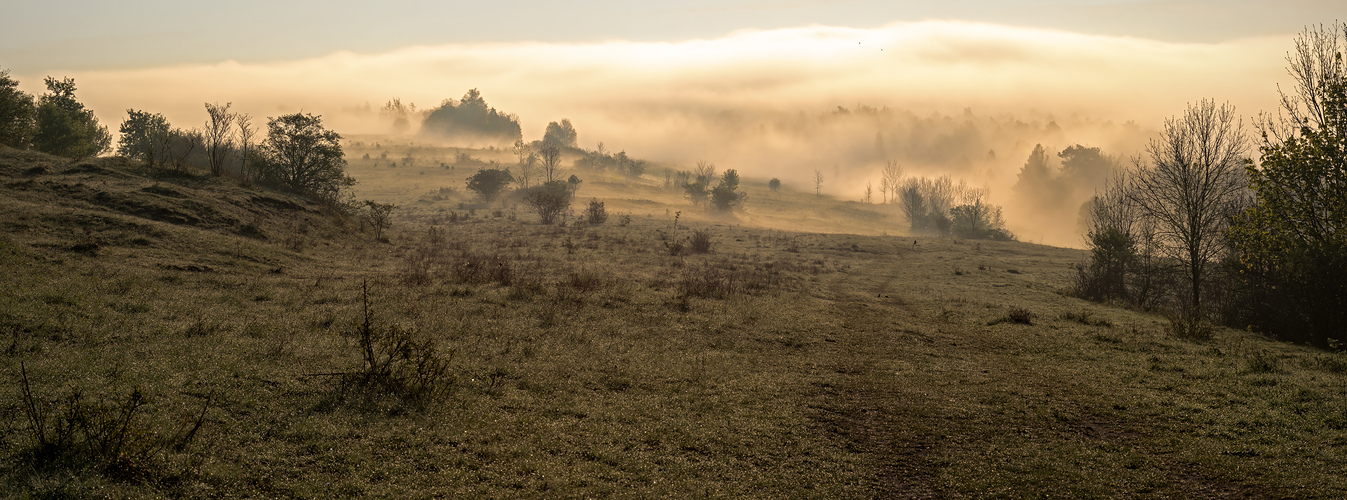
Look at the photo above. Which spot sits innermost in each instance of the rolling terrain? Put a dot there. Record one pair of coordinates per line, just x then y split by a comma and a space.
173, 334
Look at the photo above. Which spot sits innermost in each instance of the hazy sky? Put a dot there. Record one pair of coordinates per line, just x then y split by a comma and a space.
73, 35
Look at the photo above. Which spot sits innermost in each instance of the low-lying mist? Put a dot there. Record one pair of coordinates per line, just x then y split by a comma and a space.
941, 98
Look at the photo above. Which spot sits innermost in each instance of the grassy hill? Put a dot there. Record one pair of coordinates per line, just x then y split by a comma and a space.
174, 335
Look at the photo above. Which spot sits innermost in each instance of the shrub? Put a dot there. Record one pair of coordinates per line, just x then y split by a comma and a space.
701, 241
78, 431
1017, 315
596, 214
549, 200
489, 182
774, 184
398, 361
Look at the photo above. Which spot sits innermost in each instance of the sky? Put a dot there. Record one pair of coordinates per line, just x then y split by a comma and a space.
73, 35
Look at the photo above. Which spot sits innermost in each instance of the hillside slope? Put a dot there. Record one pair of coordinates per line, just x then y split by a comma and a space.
175, 335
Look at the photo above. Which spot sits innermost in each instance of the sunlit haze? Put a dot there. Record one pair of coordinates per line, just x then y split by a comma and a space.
746, 97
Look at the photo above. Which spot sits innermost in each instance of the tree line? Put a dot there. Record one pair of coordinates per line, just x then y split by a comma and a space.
1201, 229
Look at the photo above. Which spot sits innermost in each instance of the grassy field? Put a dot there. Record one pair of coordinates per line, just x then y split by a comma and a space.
182, 336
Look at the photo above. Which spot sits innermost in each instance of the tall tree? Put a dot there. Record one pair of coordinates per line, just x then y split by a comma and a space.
561, 134
1192, 186
550, 155
1292, 243
218, 137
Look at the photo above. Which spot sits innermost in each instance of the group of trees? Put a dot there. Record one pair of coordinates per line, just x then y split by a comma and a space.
723, 197
1199, 228
941, 206
1042, 189
54, 123
601, 160
470, 119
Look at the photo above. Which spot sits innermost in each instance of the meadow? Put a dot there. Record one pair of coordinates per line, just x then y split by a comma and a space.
179, 335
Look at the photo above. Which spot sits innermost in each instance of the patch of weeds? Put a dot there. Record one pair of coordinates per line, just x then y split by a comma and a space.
1190, 326
1013, 271
958, 271
585, 280
675, 248
1017, 315
701, 241
1262, 361
397, 361
1085, 318
106, 434
624, 220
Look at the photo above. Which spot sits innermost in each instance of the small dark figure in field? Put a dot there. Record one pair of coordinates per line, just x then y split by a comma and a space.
914, 243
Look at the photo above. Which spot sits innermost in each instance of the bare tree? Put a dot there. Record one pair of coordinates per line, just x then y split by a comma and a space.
868, 194
218, 138
1316, 67
893, 177
1195, 182
551, 158
818, 182
246, 136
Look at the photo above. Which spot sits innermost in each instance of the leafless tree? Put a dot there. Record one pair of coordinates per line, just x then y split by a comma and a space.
1316, 67
218, 138
818, 182
868, 193
893, 177
550, 155
1193, 185
246, 136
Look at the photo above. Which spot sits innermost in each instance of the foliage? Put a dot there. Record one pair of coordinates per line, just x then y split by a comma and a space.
65, 127
379, 216
977, 219
302, 156
489, 182
697, 183
18, 114
549, 200
1291, 245
574, 183
471, 120
774, 184
145, 136
596, 213
726, 195
601, 160
1112, 255
561, 134
701, 241
398, 361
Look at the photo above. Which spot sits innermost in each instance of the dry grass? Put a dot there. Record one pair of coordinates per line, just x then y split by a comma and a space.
587, 360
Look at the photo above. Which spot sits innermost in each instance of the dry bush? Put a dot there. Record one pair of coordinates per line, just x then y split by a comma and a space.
397, 361
476, 268
701, 241
1017, 315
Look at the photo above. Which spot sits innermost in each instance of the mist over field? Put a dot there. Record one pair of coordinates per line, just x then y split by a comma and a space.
970, 100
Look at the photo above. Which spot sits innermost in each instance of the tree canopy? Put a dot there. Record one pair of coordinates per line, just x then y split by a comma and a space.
471, 119
302, 156
18, 112
64, 126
